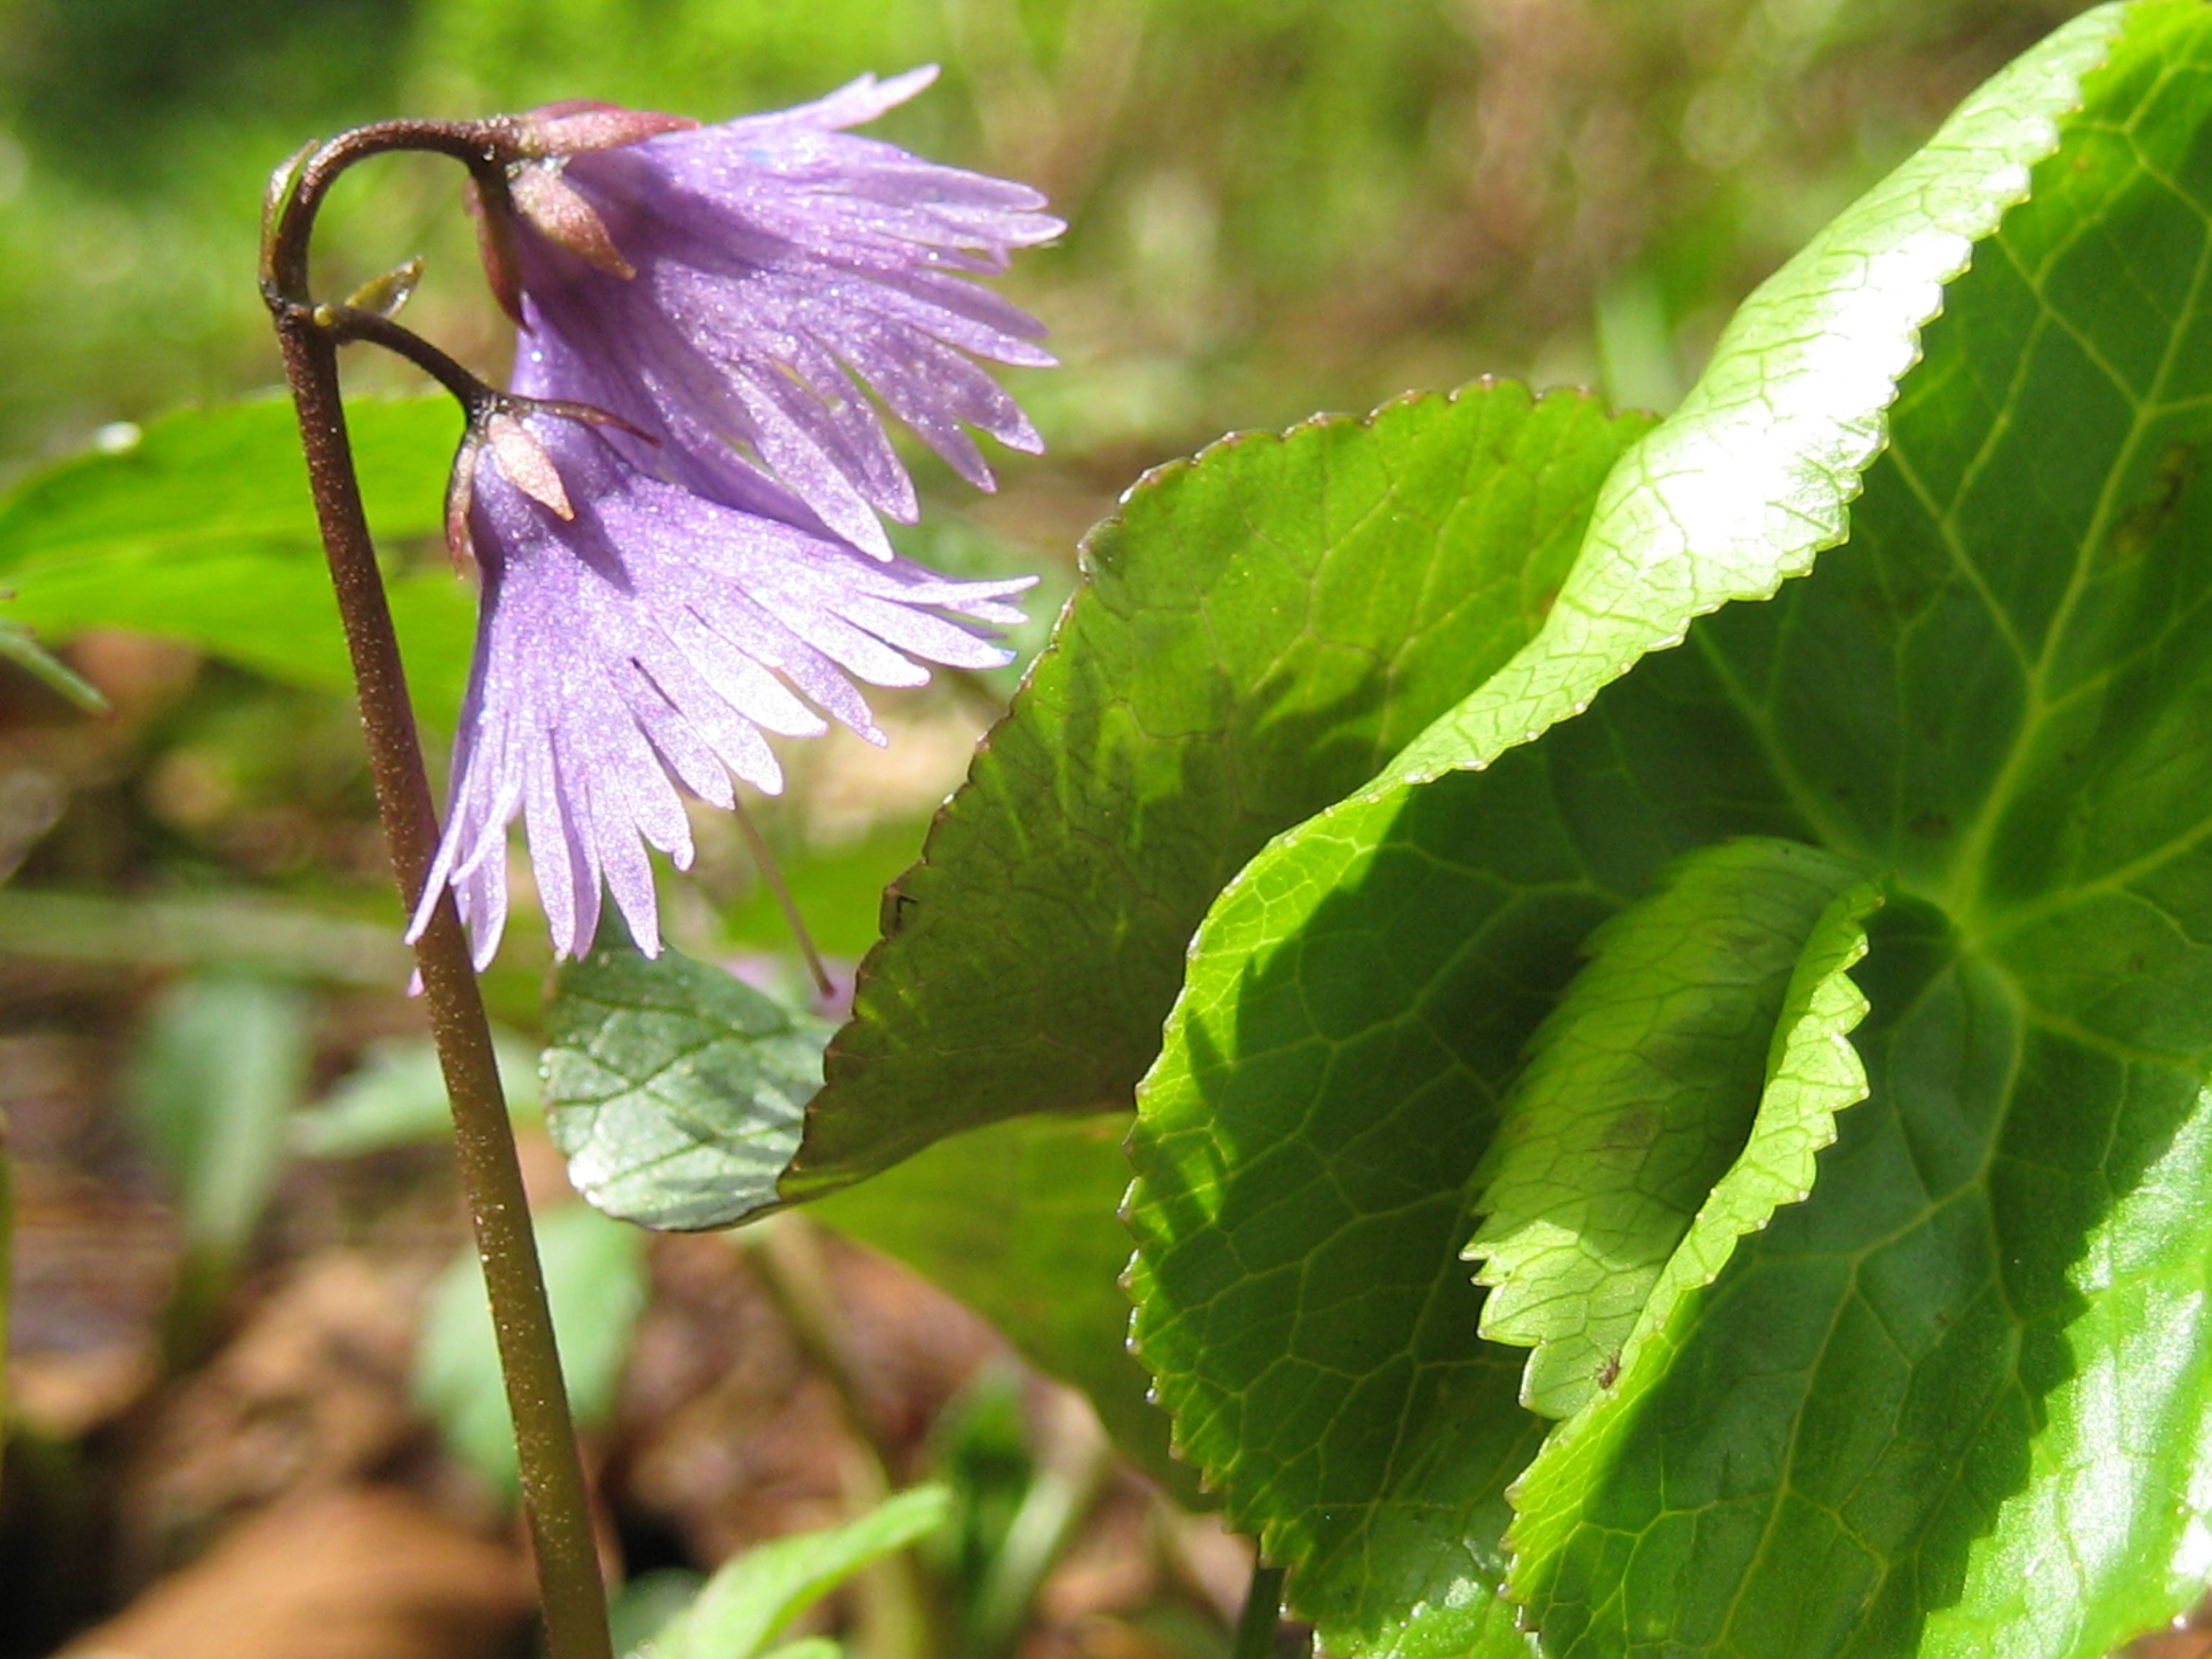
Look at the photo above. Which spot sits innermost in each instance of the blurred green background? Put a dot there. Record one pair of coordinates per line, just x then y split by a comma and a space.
1275, 207
1276, 204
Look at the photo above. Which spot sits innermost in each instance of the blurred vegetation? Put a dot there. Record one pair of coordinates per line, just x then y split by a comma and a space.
1275, 206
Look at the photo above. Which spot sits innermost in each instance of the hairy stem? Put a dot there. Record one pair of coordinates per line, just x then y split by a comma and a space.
573, 1596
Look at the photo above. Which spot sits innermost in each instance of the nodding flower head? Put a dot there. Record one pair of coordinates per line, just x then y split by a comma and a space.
674, 510
737, 291
647, 637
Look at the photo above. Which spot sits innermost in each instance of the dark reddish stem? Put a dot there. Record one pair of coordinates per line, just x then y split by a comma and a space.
554, 1493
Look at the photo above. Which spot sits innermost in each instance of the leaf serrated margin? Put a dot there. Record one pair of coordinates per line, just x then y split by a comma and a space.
1813, 1073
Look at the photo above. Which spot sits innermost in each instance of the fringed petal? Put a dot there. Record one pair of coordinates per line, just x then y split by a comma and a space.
645, 646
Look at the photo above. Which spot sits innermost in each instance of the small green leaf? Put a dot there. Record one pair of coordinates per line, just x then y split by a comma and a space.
202, 529
1639, 1090
1812, 1074
595, 1283
397, 1097
755, 1595
1260, 628
675, 1088
223, 1060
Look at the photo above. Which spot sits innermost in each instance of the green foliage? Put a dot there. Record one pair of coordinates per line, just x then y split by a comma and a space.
754, 1596
397, 1097
1259, 629
222, 1061
1855, 1429
675, 1090
595, 1281
1850, 1184
1636, 1095
201, 529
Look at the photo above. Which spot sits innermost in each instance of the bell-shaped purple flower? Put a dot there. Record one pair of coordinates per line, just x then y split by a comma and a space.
729, 291
634, 635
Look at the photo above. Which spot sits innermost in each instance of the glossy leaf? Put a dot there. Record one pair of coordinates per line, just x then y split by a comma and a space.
1359, 998
1904, 1390
674, 1088
1813, 1074
1259, 629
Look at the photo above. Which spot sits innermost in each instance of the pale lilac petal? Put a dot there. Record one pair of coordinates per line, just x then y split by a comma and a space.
646, 645
776, 258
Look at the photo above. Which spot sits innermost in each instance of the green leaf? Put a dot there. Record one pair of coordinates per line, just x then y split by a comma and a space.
1813, 1074
1359, 1000
1639, 1090
1927, 1389
1043, 1260
756, 1594
203, 530
674, 1088
1259, 629
222, 1059
397, 1097
595, 1283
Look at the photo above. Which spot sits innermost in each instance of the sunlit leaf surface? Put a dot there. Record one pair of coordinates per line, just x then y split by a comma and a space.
1993, 689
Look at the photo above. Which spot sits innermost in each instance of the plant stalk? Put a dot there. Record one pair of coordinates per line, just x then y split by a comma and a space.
572, 1594
1256, 1626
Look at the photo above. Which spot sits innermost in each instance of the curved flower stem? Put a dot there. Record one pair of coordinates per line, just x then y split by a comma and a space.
572, 1594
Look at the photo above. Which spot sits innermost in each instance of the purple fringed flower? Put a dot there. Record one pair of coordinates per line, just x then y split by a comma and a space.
720, 289
637, 645
661, 590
